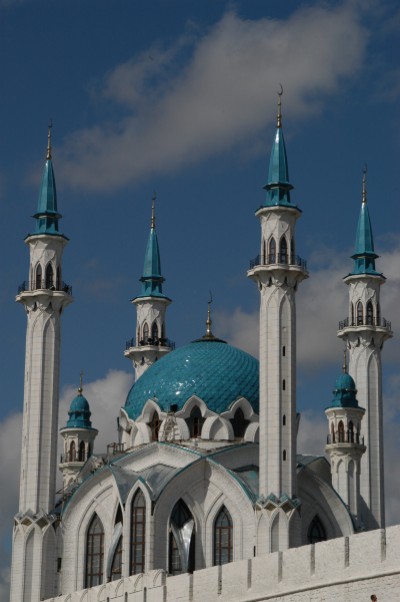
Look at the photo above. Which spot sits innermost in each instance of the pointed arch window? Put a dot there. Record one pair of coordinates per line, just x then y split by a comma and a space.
341, 432
154, 333
239, 424
351, 432
195, 422
352, 313
81, 454
58, 283
138, 534
292, 250
72, 452
316, 531
360, 313
49, 276
181, 540
154, 425
94, 553
283, 256
272, 250
145, 333
38, 277
370, 313
223, 537
332, 433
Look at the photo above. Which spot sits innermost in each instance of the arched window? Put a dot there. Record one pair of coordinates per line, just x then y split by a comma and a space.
138, 336
38, 277
351, 432
284, 455
292, 251
138, 534
370, 313
223, 537
49, 276
316, 531
154, 333
195, 422
58, 283
283, 258
352, 314
72, 452
94, 553
378, 314
341, 432
154, 425
116, 566
181, 540
145, 333
332, 433
272, 251
264, 253
360, 313
81, 455
239, 423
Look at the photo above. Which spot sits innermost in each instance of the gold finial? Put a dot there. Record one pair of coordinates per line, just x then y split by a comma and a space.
279, 116
345, 361
80, 389
209, 334
153, 213
48, 155
364, 184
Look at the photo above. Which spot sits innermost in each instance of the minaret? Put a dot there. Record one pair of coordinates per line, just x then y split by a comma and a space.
345, 444
364, 331
277, 272
79, 436
150, 343
44, 297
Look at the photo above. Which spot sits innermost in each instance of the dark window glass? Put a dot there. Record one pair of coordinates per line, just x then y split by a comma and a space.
195, 422
94, 553
223, 538
38, 277
239, 423
370, 313
49, 276
283, 258
155, 426
316, 531
138, 534
81, 455
272, 251
360, 313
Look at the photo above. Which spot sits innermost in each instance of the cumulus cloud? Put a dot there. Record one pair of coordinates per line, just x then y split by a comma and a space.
207, 93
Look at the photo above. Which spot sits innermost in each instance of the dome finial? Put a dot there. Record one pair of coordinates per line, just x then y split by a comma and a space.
48, 154
80, 388
345, 361
153, 213
209, 334
364, 184
279, 116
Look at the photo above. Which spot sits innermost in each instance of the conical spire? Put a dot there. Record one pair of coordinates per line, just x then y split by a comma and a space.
47, 215
278, 186
364, 256
152, 279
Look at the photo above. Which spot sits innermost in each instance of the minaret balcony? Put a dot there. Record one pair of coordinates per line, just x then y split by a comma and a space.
151, 342
365, 321
345, 438
279, 259
52, 286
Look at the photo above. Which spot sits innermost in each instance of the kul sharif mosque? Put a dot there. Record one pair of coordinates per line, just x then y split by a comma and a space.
206, 471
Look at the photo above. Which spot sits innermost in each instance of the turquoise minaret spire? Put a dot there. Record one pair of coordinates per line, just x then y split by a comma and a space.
152, 279
47, 215
364, 256
278, 186
150, 342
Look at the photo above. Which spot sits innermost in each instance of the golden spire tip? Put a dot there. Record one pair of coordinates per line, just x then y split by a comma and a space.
209, 321
153, 213
48, 154
364, 184
345, 361
80, 388
279, 116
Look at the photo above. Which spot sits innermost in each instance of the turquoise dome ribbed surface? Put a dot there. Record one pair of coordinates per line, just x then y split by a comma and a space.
211, 369
79, 413
345, 392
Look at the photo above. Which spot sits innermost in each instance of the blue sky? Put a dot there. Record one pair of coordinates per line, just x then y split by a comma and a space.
180, 97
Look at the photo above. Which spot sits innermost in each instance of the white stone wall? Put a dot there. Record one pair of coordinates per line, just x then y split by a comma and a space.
350, 568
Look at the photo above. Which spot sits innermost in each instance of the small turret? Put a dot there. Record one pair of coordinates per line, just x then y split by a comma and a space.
79, 436
345, 445
150, 343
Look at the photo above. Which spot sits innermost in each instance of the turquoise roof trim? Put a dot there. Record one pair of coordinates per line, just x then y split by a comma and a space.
211, 369
344, 392
152, 279
364, 255
278, 186
79, 413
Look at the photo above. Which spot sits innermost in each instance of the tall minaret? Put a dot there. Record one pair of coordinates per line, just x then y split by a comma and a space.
44, 297
364, 332
278, 271
150, 343
345, 445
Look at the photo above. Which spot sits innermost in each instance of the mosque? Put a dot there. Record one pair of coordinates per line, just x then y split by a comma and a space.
206, 469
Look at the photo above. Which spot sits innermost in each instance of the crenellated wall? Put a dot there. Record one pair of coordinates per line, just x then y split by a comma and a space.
349, 568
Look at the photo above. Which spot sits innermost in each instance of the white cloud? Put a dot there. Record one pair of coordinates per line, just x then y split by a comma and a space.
175, 114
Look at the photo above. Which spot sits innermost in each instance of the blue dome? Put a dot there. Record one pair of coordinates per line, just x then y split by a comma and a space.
79, 413
211, 369
345, 392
